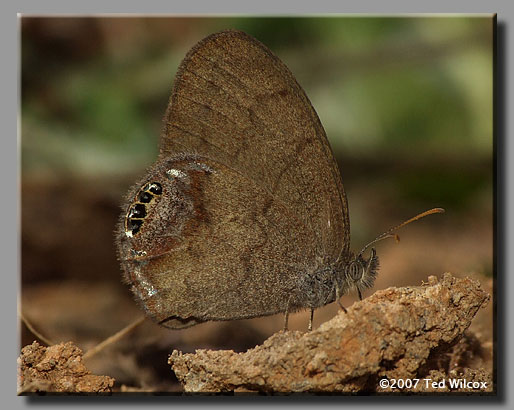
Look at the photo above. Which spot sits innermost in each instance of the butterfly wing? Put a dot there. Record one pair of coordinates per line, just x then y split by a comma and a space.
266, 199
233, 99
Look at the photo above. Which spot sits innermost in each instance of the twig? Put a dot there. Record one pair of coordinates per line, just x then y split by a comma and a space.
114, 338
45, 340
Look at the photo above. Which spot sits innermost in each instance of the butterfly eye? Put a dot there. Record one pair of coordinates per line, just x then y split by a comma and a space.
355, 271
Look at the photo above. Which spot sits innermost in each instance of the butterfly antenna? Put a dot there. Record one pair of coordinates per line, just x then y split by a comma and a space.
389, 234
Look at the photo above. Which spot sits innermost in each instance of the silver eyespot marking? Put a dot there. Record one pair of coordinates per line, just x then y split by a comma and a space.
176, 173
203, 167
138, 253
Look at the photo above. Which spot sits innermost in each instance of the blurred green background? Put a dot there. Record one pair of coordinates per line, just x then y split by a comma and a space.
94, 89
406, 102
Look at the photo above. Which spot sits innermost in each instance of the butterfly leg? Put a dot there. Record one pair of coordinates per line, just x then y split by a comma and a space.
360, 294
310, 320
286, 315
338, 297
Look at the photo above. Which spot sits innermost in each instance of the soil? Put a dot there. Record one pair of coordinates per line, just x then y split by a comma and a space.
71, 288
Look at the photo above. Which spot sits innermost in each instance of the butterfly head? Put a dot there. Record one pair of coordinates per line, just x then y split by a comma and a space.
360, 273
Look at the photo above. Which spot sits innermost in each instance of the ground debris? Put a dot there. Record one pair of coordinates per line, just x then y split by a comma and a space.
57, 369
392, 334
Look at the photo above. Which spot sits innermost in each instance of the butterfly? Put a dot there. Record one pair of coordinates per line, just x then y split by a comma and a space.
244, 212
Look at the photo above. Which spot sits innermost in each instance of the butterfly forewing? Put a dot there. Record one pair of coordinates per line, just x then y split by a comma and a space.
235, 101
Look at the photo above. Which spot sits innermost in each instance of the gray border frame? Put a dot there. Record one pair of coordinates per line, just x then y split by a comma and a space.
504, 178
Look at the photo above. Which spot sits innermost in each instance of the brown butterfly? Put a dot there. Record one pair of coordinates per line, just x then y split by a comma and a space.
244, 213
